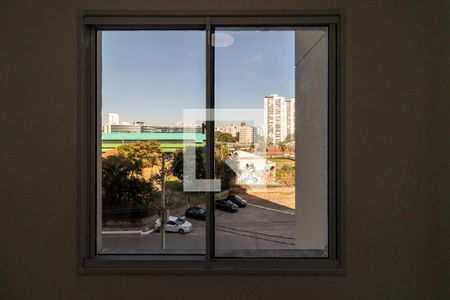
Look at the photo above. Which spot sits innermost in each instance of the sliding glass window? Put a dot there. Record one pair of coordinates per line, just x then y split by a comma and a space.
147, 79
210, 142
273, 82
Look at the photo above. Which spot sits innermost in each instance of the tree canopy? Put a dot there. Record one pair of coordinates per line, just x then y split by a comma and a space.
224, 137
148, 153
221, 169
124, 187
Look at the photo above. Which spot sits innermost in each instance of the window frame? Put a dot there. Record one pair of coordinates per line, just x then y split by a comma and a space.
89, 262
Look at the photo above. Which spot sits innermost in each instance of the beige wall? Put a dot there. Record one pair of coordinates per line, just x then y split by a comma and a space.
311, 96
396, 178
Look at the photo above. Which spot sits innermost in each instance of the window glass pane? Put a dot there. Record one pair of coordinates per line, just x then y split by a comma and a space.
146, 79
271, 142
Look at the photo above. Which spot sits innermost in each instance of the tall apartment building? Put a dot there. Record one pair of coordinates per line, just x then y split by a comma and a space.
113, 118
246, 134
279, 118
288, 118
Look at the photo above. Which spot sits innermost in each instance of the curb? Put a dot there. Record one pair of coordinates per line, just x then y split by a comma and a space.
129, 232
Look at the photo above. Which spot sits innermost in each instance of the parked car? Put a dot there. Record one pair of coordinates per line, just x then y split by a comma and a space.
198, 213
226, 205
237, 200
174, 224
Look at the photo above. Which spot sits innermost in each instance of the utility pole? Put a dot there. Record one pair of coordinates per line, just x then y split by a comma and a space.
163, 203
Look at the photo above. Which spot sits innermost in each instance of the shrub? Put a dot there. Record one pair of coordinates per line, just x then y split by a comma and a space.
286, 176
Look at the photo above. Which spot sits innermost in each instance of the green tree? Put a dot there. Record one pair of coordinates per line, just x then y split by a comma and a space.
177, 165
221, 150
126, 193
148, 153
221, 169
282, 146
115, 174
224, 172
223, 137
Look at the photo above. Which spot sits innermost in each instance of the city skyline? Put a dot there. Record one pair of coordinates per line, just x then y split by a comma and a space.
278, 125
143, 69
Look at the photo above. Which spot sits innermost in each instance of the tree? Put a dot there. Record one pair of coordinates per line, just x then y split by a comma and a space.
115, 173
223, 137
282, 146
224, 172
177, 166
148, 153
221, 150
125, 191
126, 194
221, 169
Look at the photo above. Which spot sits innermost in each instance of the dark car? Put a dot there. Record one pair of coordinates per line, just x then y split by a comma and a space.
226, 205
237, 200
198, 213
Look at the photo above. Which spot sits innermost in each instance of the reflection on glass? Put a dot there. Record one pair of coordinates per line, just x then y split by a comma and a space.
272, 160
147, 78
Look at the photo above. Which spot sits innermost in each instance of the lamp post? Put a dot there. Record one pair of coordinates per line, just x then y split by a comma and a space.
163, 203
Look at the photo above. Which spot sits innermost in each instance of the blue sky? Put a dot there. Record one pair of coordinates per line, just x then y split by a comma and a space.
151, 76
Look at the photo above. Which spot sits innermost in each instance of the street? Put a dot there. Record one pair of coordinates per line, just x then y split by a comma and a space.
255, 227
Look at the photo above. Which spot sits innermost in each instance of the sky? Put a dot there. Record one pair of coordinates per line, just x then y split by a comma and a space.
152, 76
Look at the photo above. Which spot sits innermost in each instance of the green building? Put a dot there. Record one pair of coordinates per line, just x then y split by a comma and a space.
169, 141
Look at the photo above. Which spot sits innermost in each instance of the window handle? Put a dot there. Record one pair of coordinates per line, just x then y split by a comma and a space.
203, 127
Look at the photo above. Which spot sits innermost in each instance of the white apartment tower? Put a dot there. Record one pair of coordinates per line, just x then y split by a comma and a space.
288, 118
279, 118
112, 119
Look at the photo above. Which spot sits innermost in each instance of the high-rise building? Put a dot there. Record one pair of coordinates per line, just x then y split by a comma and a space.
272, 118
279, 119
246, 135
113, 119
288, 118
258, 134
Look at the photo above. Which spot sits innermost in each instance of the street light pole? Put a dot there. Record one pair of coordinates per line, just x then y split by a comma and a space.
163, 204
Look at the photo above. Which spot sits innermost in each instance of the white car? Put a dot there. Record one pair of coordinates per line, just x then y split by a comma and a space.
174, 224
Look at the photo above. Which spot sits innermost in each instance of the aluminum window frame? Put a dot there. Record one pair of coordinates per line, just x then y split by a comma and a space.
89, 262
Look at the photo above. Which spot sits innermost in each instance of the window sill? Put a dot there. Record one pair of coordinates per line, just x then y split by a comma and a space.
148, 264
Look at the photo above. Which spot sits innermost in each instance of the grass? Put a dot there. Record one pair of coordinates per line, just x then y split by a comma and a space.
283, 162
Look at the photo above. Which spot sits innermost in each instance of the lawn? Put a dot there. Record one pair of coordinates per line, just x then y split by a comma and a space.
282, 162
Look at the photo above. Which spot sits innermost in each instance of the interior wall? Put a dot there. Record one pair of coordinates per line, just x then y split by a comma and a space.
441, 143
391, 212
311, 120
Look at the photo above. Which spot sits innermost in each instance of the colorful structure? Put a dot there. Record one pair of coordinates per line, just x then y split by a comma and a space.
252, 169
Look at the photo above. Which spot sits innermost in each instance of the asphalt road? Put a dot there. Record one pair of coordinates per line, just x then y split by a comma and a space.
255, 229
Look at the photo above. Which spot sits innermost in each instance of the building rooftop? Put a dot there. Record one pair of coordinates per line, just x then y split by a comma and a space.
158, 136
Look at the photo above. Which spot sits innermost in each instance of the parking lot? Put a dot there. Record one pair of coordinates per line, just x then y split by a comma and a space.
259, 226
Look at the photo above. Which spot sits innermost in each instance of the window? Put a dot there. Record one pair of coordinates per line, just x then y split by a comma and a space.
210, 143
